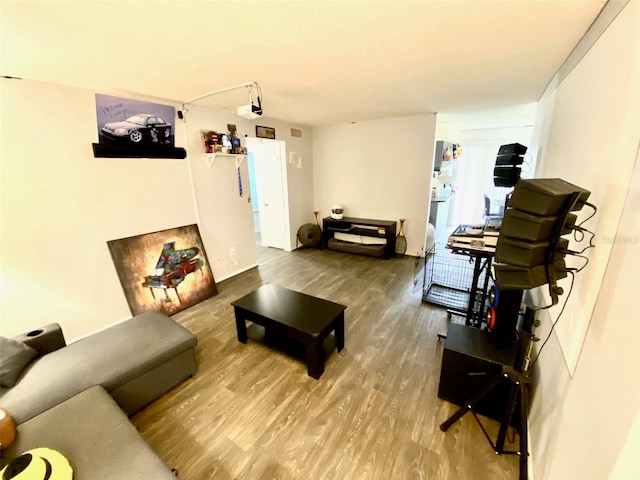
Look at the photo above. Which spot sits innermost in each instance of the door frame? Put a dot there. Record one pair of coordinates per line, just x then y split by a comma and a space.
285, 191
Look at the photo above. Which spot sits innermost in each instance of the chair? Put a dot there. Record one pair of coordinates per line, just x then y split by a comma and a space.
487, 209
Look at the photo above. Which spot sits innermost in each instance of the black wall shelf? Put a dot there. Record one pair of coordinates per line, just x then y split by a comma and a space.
105, 150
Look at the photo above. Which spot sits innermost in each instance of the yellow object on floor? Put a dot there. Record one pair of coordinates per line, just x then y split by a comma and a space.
38, 464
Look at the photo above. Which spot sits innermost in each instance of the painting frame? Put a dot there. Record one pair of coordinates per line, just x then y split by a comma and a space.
130, 128
265, 132
165, 271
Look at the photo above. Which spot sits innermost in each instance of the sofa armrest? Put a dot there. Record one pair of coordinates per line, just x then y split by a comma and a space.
44, 339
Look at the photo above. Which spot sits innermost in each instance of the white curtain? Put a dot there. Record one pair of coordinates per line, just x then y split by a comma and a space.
474, 175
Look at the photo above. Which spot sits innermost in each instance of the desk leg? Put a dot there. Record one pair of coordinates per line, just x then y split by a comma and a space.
485, 288
340, 332
241, 325
474, 289
475, 309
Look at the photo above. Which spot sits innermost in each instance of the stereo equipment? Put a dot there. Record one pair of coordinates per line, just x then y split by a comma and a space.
511, 159
470, 360
530, 250
488, 371
506, 176
507, 170
512, 148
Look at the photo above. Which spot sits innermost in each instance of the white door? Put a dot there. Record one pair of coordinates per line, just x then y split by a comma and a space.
267, 157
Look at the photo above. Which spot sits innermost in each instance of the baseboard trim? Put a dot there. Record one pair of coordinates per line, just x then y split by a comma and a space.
237, 272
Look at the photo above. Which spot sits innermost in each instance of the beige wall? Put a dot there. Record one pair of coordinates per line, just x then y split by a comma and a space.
60, 205
225, 218
587, 132
378, 169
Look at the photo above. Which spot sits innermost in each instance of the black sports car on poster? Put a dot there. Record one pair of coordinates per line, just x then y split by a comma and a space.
138, 129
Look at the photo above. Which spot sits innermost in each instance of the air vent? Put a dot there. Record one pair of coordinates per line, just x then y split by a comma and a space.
296, 132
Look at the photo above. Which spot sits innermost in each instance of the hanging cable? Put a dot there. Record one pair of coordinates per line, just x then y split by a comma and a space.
595, 209
531, 365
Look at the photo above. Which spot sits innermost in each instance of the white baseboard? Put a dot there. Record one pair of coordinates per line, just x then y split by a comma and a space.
237, 272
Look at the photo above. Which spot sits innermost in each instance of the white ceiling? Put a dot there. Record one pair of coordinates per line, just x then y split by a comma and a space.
318, 62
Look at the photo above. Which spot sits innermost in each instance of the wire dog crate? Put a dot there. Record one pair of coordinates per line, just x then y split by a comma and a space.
448, 279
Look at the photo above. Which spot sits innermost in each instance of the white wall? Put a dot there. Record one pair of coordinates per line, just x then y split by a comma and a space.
300, 181
588, 133
590, 140
225, 218
378, 169
60, 205
603, 398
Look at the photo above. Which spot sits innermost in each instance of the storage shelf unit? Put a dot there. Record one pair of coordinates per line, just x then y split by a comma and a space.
116, 150
358, 226
210, 158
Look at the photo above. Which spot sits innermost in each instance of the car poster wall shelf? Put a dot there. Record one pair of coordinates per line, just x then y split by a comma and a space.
210, 158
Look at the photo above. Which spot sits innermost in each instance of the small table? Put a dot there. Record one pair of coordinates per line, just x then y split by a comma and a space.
295, 316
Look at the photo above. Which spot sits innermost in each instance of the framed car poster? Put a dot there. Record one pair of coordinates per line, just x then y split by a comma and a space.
126, 125
265, 132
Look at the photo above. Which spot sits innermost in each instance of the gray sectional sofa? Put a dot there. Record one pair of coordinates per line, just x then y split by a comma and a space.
76, 398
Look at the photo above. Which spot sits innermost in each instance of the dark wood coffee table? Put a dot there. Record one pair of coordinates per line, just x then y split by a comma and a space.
294, 316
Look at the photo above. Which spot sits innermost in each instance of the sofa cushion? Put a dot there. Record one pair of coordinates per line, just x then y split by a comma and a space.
110, 358
14, 357
96, 437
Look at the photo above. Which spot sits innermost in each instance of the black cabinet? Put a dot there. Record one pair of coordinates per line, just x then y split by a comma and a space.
363, 227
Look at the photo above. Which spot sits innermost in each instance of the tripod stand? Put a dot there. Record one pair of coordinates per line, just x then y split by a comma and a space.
519, 378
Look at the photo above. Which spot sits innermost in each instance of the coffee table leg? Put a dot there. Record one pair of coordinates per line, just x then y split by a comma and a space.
315, 359
241, 325
339, 332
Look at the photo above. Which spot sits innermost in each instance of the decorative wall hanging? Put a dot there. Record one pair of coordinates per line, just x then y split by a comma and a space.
135, 129
165, 271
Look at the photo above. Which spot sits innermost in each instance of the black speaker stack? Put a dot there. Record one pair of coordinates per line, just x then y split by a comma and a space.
531, 251
508, 166
487, 372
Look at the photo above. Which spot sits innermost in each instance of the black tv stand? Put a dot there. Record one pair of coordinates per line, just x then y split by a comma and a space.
360, 226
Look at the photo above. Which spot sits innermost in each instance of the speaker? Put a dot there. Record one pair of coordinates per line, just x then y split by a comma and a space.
530, 251
547, 196
507, 170
512, 148
511, 159
470, 360
506, 176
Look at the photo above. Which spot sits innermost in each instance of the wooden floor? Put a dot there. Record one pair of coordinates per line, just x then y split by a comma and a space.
253, 413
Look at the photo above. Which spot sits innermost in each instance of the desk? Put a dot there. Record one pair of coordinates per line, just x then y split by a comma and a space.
480, 245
